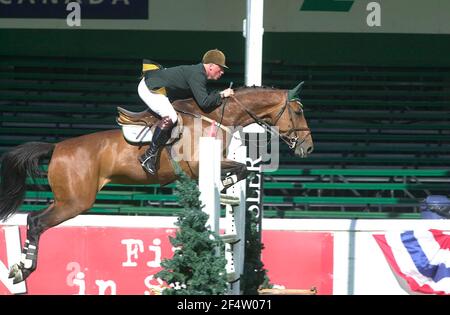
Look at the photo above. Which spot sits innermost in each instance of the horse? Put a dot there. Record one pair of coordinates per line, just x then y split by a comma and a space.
79, 167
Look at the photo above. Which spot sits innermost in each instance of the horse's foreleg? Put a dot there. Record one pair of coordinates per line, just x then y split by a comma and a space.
232, 172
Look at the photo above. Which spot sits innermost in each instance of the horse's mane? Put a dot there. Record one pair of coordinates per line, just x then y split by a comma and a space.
256, 87
253, 88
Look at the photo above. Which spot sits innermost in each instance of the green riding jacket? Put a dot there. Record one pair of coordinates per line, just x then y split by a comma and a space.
183, 82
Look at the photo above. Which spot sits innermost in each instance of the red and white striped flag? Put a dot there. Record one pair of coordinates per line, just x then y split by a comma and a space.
422, 258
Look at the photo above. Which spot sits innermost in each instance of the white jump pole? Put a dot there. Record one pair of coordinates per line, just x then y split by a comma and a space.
253, 33
209, 183
209, 179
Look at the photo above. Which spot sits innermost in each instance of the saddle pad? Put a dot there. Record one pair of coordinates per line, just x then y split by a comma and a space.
137, 134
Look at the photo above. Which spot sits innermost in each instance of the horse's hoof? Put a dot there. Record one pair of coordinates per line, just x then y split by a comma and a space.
18, 277
14, 270
16, 273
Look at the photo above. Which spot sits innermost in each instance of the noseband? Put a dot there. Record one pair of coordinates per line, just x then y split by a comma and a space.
291, 141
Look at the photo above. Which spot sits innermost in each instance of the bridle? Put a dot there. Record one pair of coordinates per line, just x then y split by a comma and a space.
291, 141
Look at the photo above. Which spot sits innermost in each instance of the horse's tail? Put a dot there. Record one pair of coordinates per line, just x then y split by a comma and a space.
16, 165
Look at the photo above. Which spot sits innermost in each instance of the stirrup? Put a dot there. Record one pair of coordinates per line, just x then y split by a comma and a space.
146, 159
148, 168
147, 162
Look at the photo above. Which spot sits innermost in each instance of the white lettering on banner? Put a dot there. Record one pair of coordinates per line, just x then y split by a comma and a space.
258, 183
374, 17
133, 247
153, 288
77, 278
256, 198
80, 283
103, 285
74, 17
256, 210
252, 162
258, 176
157, 250
13, 253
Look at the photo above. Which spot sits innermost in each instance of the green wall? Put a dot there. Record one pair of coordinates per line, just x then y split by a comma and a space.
296, 48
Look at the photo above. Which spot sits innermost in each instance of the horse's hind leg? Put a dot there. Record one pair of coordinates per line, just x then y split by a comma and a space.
232, 172
38, 223
28, 260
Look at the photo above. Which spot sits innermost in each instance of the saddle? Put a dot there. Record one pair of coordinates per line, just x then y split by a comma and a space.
144, 118
138, 127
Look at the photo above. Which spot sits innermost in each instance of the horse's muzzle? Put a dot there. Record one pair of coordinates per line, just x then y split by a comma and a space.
304, 149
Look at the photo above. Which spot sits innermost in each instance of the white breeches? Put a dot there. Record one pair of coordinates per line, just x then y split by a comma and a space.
158, 103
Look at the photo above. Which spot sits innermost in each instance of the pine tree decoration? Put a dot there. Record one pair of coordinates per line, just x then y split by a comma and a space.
197, 267
254, 276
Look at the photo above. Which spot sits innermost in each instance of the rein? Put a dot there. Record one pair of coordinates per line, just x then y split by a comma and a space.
218, 125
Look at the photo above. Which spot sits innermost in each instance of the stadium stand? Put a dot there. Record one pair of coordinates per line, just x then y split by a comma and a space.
381, 134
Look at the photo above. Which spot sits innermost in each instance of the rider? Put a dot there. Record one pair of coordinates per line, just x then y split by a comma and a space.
160, 87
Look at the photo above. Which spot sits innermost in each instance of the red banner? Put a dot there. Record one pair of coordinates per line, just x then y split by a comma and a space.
123, 260
299, 260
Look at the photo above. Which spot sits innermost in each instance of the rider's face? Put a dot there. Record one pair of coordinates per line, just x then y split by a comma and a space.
215, 71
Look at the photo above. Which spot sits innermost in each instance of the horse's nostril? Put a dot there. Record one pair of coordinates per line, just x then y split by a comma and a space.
310, 149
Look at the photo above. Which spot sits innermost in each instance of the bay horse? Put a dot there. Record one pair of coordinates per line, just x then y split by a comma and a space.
79, 167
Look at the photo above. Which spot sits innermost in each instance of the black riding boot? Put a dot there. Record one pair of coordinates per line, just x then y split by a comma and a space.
160, 137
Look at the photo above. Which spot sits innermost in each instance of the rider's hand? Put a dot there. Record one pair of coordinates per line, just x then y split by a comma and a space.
226, 93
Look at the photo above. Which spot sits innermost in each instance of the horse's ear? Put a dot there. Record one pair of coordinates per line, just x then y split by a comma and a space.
293, 94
